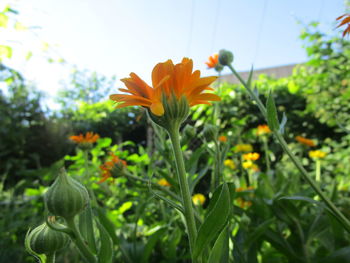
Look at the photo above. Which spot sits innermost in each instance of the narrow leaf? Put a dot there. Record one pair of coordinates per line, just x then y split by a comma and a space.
272, 118
105, 254
283, 123
87, 228
220, 251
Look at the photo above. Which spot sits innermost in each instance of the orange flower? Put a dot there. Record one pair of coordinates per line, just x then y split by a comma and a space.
167, 79
241, 189
114, 166
263, 129
222, 138
213, 61
305, 141
251, 156
89, 137
345, 20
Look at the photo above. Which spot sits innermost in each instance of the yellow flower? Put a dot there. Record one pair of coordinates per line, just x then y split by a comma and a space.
241, 189
251, 156
247, 164
318, 154
168, 80
229, 163
242, 203
243, 148
305, 141
163, 182
89, 137
222, 138
263, 129
198, 199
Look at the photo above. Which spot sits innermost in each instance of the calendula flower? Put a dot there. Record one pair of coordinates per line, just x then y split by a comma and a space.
247, 164
242, 203
163, 182
344, 20
112, 168
222, 138
213, 61
318, 154
305, 141
169, 82
243, 148
89, 137
263, 129
230, 164
198, 199
251, 156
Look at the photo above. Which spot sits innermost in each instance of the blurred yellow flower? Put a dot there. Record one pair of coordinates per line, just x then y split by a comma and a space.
230, 164
222, 138
251, 156
247, 164
163, 182
305, 141
263, 129
318, 154
242, 203
243, 148
198, 199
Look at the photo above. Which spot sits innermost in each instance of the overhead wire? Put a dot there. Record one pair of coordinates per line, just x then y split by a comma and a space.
216, 19
189, 42
260, 29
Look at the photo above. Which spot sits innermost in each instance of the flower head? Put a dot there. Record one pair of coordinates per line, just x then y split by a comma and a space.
169, 82
251, 156
213, 61
112, 168
163, 182
344, 20
318, 154
230, 164
89, 137
243, 148
263, 129
198, 199
222, 138
305, 141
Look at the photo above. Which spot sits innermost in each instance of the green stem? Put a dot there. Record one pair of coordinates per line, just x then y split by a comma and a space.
318, 171
50, 258
184, 188
267, 159
341, 218
78, 240
217, 167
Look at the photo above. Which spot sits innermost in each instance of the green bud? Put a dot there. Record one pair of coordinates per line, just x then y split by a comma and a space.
225, 57
44, 240
210, 132
66, 197
189, 131
219, 67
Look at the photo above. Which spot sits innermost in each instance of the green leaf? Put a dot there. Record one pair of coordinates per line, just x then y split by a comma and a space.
86, 228
249, 81
272, 119
3, 20
152, 241
220, 251
214, 222
5, 52
105, 254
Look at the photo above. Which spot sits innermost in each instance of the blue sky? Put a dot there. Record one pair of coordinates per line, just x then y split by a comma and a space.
116, 37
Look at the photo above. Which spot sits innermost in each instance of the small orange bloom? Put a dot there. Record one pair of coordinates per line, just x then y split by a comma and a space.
263, 129
242, 203
89, 137
163, 182
241, 189
344, 20
222, 138
168, 80
213, 61
115, 164
305, 141
251, 156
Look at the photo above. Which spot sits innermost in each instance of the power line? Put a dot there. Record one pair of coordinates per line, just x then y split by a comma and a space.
191, 29
260, 29
215, 26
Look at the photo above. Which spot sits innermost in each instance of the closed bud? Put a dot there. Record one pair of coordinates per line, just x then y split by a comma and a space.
225, 57
189, 131
44, 240
210, 132
66, 197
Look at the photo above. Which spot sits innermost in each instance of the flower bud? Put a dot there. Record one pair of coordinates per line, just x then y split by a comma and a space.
225, 57
210, 132
44, 240
66, 197
189, 131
